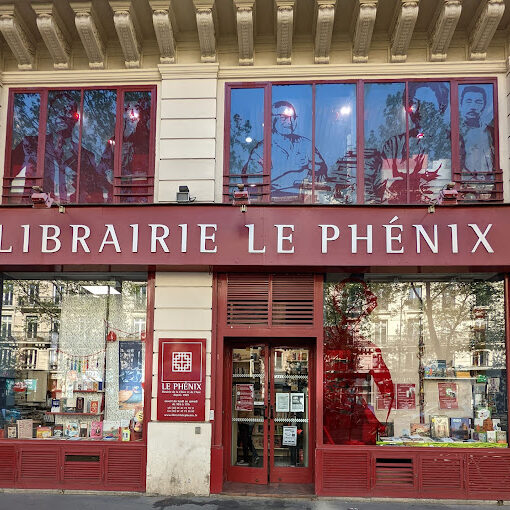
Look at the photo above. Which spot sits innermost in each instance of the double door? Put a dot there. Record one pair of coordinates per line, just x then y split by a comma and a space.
269, 413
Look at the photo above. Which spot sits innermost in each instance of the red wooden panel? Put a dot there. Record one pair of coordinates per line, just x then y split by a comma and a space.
346, 472
247, 299
40, 464
394, 472
293, 300
125, 468
82, 466
7, 464
442, 471
488, 475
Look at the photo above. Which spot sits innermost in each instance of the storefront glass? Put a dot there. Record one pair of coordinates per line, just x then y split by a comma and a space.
415, 362
72, 354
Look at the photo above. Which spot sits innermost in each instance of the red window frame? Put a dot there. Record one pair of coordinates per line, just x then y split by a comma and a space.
496, 195
118, 178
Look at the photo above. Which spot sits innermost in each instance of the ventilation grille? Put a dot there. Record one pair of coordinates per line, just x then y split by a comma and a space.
7, 464
39, 465
346, 472
442, 471
270, 300
489, 473
81, 467
394, 472
125, 467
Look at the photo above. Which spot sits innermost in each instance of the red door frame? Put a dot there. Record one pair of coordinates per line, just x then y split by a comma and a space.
268, 473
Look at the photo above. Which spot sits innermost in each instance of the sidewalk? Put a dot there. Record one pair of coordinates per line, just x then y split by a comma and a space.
29, 500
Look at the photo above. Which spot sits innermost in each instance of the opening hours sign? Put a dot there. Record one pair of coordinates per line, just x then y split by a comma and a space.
181, 379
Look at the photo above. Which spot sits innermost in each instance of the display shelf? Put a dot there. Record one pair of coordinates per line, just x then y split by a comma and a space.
450, 378
82, 391
74, 414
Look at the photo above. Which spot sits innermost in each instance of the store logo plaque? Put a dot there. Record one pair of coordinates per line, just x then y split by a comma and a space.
181, 379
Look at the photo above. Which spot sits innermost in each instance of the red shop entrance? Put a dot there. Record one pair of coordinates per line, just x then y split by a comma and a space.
269, 412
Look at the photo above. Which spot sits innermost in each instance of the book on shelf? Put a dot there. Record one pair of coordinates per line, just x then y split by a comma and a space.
420, 429
25, 428
439, 427
55, 405
80, 404
71, 429
96, 429
111, 429
491, 436
84, 429
459, 428
43, 432
93, 407
12, 432
58, 430
501, 436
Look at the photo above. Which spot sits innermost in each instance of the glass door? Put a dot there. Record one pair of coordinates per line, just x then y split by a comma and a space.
269, 411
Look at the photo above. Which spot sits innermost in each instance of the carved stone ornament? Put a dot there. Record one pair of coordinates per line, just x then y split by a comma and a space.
204, 10
126, 26
54, 34
404, 20
325, 17
245, 17
163, 20
284, 29
16, 37
485, 24
444, 28
87, 25
363, 29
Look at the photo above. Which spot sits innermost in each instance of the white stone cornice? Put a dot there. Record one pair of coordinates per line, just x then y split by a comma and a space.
245, 18
163, 19
446, 19
54, 34
323, 26
363, 28
91, 33
284, 28
17, 37
404, 20
128, 31
484, 26
189, 71
206, 26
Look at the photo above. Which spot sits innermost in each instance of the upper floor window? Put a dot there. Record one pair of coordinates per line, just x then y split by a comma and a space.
81, 145
363, 142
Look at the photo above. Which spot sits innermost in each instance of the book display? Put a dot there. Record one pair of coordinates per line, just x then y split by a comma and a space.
72, 358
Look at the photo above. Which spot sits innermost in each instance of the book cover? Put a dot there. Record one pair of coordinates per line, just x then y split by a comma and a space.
58, 430
126, 434
501, 436
71, 429
25, 429
55, 405
111, 429
420, 429
439, 427
96, 429
491, 436
459, 428
94, 406
80, 404
84, 429
43, 432
12, 432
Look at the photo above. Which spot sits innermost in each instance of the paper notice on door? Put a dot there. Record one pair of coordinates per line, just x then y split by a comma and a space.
297, 402
289, 436
282, 402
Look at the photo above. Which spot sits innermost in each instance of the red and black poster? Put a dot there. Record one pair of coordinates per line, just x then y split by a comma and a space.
384, 401
244, 397
406, 396
181, 379
448, 396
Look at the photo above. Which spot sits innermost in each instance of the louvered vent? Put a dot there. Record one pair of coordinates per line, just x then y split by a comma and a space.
83, 468
441, 471
7, 464
489, 474
345, 472
39, 465
125, 468
394, 472
270, 300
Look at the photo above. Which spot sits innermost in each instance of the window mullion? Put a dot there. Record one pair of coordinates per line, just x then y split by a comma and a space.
266, 179
360, 142
41, 142
117, 148
78, 163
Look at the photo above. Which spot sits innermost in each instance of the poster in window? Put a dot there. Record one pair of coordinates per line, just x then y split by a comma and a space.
289, 437
297, 402
244, 397
448, 393
130, 374
384, 401
282, 402
406, 396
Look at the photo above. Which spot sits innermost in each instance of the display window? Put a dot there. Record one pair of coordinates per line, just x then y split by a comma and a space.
72, 357
371, 142
415, 361
60, 144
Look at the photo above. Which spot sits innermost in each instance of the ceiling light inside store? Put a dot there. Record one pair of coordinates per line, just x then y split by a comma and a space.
100, 290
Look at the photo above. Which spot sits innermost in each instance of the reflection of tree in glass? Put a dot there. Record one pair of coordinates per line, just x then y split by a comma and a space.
26, 117
240, 130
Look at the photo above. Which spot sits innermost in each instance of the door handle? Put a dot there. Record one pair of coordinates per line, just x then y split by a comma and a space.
271, 412
265, 412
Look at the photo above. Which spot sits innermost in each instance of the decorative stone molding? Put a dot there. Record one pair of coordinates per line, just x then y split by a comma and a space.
91, 33
483, 28
284, 27
128, 31
206, 23
191, 71
324, 19
447, 16
17, 37
363, 29
245, 17
404, 20
54, 33
163, 19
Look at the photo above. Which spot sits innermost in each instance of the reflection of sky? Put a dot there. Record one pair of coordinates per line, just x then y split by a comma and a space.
24, 122
375, 102
335, 120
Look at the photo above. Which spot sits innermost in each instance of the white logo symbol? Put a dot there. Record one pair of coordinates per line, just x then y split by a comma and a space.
181, 361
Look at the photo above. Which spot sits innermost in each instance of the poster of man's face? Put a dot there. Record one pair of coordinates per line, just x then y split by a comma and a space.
473, 101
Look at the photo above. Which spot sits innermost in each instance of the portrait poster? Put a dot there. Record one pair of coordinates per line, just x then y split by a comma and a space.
448, 395
406, 396
244, 397
383, 402
289, 437
297, 402
282, 402
130, 374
